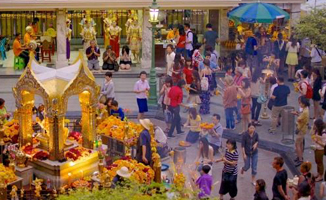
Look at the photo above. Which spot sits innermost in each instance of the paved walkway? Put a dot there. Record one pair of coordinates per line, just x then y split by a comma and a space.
269, 148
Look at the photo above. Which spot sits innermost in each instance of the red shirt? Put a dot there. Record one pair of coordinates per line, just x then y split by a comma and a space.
176, 96
182, 38
188, 73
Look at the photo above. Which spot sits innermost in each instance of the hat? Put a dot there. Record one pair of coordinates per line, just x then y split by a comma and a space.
124, 172
146, 123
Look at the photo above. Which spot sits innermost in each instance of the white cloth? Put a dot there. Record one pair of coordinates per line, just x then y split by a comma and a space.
272, 89
189, 38
169, 61
315, 57
141, 86
160, 136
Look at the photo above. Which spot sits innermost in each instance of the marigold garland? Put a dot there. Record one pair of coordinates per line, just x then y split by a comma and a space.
126, 131
6, 174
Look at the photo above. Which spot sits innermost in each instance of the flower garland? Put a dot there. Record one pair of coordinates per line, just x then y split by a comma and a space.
11, 130
179, 180
76, 153
6, 174
125, 131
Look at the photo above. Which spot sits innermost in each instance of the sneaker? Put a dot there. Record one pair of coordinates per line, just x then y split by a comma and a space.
180, 132
171, 136
258, 123
270, 131
233, 128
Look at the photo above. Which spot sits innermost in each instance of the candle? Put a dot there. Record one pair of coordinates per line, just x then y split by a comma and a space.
82, 174
69, 179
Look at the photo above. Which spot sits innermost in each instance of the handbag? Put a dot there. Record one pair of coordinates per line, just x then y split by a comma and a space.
262, 99
245, 109
270, 104
116, 66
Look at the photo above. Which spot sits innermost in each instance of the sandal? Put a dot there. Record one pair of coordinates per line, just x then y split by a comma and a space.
319, 179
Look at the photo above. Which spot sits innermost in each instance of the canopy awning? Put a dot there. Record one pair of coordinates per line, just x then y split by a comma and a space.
113, 4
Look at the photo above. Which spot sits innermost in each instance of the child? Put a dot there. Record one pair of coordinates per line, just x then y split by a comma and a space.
204, 183
116, 110
246, 70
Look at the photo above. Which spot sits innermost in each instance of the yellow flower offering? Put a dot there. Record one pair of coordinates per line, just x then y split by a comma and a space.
296, 86
6, 174
125, 131
179, 181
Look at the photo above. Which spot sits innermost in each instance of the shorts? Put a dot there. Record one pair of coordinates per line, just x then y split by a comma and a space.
299, 139
229, 185
142, 105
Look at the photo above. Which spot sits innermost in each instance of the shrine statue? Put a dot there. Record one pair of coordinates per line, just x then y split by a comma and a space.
134, 38
68, 38
88, 33
107, 23
133, 15
114, 36
87, 19
13, 193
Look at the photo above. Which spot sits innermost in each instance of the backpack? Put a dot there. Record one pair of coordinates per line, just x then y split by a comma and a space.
309, 90
194, 38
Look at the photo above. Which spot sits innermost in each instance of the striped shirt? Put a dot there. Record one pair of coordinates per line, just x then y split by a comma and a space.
231, 156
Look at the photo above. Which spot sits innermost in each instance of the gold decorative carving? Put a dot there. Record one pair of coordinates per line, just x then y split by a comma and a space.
55, 102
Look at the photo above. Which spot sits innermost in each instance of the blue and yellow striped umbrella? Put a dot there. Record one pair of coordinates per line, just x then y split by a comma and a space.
257, 13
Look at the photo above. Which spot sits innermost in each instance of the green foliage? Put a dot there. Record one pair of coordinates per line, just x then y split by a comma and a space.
313, 26
130, 191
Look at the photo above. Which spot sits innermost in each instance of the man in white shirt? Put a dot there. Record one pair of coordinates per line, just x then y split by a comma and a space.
169, 59
141, 89
316, 56
189, 40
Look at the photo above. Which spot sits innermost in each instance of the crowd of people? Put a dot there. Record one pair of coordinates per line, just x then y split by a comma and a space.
191, 71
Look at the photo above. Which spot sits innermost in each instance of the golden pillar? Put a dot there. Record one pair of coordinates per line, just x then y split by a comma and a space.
88, 119
25, 118
56, 128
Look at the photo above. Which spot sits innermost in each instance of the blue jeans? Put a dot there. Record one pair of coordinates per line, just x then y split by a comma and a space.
237, 110
189, 53
230, 123
255, 108
181, 51
254, 160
